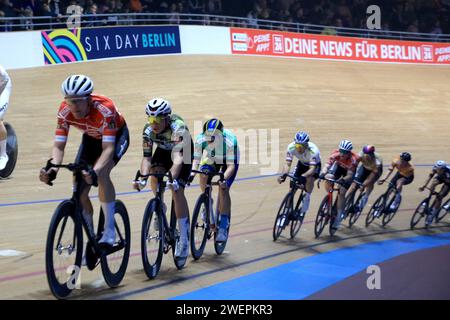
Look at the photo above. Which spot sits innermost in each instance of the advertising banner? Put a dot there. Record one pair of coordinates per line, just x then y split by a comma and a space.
64, 45
277, 43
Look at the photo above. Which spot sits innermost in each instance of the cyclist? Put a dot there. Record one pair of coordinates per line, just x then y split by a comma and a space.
5, 92
441, 174
105, 140
173, 153
216, 150
403, 177
308, 165
368, 171
341, 166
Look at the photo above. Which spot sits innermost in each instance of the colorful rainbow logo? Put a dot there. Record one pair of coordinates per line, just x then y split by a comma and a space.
61, 46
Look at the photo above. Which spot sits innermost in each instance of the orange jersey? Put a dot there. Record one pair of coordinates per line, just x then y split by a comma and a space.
349, 164
405, 170
102, 121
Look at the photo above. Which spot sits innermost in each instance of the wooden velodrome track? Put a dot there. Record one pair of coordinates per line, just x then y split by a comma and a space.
394, 107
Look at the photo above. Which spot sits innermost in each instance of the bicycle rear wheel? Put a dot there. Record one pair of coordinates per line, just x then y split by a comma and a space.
376, 210
12, 150
297, 220
219, 247
322, 217
389, 212
152, 238
443, 211
200, 226
282, 218
114, 264
420, 212
64, 250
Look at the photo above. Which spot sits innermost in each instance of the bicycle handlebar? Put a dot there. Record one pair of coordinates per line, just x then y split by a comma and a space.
74, 167
168, 174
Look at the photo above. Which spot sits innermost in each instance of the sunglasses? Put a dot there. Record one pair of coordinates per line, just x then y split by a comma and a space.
300, 147
341, 151
155, 119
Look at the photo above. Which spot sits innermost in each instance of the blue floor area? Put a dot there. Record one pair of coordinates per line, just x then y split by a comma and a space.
303, 277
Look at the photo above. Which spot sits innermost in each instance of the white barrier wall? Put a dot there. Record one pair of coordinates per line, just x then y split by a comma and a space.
36, 48
205, 40
21, 49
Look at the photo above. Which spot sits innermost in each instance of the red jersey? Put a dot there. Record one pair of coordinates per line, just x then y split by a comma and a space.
349, 164
102, 122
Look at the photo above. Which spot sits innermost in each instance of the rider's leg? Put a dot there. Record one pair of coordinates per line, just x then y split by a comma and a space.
309, 186
107, 197
87, 209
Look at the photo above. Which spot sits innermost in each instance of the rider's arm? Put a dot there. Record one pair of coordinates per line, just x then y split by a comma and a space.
146, 162
287, 167
430, 176
390, 169
58, 152
4, 79
177, 158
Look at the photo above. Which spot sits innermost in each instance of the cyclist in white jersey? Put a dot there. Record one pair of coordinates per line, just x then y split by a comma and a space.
308, 165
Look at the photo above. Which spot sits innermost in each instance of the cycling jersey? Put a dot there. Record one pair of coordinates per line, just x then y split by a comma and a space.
167, 139
371, 163
406, 170
348, 164
310, 157
218, 153
102, 122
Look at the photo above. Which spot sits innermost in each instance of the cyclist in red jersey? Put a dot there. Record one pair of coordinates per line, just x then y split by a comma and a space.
105, 140
341, 166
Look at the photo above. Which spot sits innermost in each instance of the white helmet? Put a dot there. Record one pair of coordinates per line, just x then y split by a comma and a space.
158, 106
440, 164
77, 85
346, 145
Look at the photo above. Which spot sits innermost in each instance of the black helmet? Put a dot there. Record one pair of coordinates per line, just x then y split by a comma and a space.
405, 156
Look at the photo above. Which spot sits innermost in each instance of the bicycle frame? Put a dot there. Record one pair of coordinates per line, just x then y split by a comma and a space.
76, 188
161, 187
212, 214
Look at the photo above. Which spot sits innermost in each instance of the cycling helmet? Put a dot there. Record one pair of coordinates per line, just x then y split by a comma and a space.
301, 137
77, 85
405, 156
211, 126
369, 149
158, 106
440, 164
346, 145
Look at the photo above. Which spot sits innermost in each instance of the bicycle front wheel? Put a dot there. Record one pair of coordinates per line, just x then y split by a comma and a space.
420, 212
322, 217
200, 226
64, 250
443, 211
389, 211
282, 217
114, 264
375, 211
297, 220
152, 238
